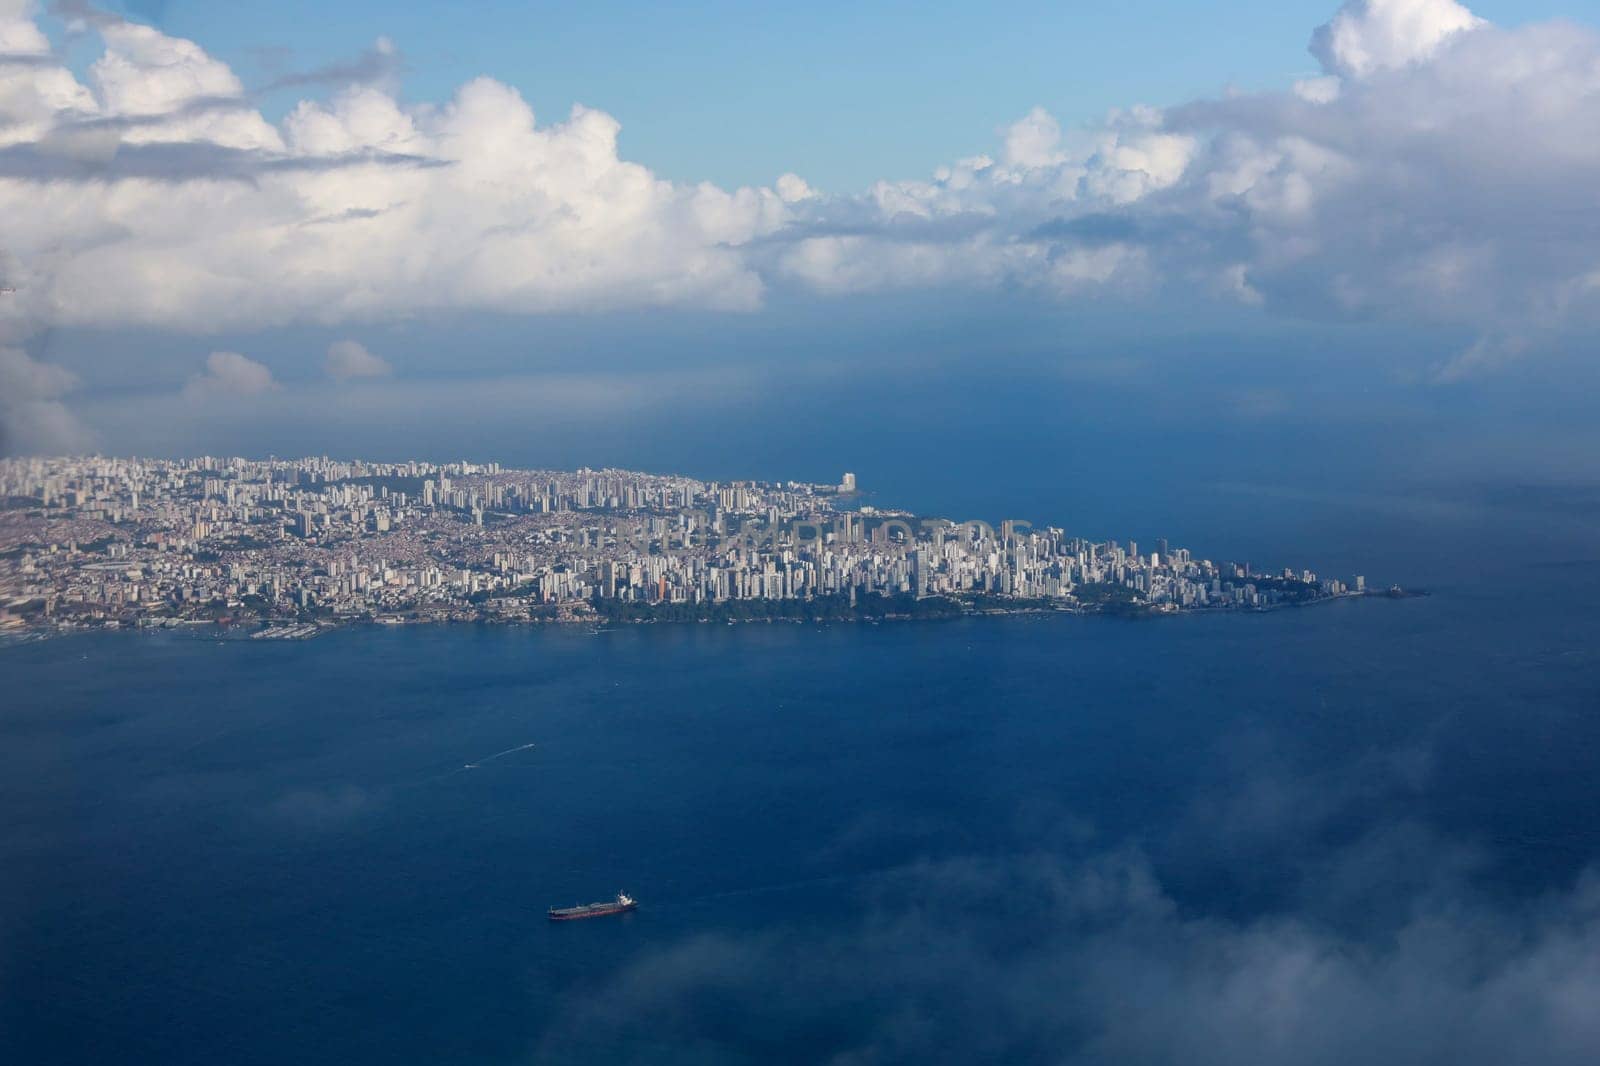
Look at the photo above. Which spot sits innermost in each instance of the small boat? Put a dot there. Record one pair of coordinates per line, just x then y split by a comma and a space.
621, 905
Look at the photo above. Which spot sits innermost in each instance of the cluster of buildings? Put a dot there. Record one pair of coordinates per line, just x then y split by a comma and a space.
128, 541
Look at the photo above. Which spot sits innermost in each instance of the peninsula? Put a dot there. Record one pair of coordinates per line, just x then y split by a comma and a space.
287, 548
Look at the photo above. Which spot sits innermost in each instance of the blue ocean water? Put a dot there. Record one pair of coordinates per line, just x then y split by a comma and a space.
1006, 839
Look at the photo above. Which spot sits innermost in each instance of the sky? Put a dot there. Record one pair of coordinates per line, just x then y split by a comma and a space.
1357, 240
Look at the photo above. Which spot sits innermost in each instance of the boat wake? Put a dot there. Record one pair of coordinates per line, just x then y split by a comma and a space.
496, 755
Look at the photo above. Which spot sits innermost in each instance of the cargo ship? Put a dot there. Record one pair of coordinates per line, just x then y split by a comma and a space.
622, 904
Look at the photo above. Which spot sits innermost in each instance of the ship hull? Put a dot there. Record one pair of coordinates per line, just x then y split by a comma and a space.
576, 914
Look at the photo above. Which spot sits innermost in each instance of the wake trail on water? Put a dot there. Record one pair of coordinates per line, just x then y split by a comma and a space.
496, 755
445, 775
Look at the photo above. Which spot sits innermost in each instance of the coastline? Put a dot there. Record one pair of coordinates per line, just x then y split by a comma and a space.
293, 546
294, 629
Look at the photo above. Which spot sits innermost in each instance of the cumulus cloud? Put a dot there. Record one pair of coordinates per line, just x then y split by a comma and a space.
1032, 141
229, 375
792, 188
1437, 172
156, 194
1368, 36
350, 359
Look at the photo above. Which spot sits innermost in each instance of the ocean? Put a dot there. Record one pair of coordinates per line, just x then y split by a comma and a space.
1202, 838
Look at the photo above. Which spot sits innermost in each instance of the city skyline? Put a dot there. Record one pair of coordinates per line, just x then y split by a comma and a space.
109, 541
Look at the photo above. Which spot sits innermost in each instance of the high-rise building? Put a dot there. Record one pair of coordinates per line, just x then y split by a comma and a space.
847, 483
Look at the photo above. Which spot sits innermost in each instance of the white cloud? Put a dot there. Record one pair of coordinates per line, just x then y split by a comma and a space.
1033, 141
1323, 90
155, 195
146, 74
792, 188
1369, 36
33, 90
229, 375
1441, 175
350, 359
1439, 172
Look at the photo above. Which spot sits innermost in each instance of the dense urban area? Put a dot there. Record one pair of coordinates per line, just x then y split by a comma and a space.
285, 548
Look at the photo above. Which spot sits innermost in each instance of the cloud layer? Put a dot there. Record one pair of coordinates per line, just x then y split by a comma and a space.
1439, 173
1435, 170
157, 194
1112, 970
